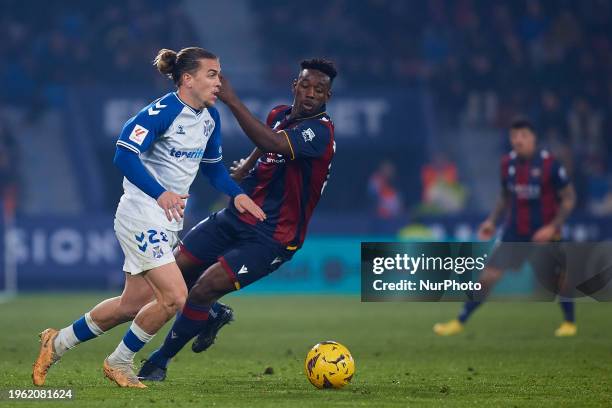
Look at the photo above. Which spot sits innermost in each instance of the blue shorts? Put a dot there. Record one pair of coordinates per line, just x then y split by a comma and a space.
245, 254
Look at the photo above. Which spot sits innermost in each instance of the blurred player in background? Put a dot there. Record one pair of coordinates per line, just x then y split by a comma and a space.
285, 175
537, 198
159, 152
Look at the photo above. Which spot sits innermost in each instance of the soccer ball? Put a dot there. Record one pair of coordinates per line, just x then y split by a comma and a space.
329, 365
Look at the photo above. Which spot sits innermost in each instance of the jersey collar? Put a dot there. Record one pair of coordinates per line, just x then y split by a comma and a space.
195, 111
316, 115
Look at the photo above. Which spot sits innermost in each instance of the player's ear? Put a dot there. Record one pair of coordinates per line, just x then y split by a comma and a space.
187, 79
294, 85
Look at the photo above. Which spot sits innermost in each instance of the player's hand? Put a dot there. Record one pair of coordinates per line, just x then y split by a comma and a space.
237, 170
243, 203
173, 204
545, 234
226, 92
486, 230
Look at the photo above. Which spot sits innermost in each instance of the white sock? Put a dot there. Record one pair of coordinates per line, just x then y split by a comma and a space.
124, 353
67, 339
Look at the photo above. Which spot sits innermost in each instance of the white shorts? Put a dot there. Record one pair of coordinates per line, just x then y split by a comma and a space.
145, 246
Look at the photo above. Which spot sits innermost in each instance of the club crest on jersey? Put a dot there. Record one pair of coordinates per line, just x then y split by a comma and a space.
308, 135
138, 134
209, 125
158, 252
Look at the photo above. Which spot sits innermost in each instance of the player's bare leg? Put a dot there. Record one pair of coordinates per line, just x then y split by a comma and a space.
170, 292
489, 278
212, 285
104, 316
118, 310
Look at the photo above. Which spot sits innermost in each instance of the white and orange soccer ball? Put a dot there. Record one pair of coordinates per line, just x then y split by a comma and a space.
329, 365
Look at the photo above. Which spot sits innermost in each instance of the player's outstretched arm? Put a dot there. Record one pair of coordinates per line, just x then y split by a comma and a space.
221, 180
266, 139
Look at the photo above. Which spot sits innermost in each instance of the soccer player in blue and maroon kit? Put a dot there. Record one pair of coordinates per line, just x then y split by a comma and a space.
537, 198
285, 175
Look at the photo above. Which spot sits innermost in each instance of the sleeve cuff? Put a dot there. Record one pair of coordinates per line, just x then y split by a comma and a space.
127, 146
290, 145
217, 160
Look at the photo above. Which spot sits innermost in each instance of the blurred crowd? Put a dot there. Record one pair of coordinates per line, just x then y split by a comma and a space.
48, 45
483, 62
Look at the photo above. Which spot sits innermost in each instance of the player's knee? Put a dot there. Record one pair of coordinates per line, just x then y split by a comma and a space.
174, 301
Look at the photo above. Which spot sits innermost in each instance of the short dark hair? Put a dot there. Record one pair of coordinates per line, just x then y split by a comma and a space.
522, 122
173, 65
320, 64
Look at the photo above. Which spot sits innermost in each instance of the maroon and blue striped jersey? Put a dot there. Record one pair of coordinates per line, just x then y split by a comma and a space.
533, 186
289, 188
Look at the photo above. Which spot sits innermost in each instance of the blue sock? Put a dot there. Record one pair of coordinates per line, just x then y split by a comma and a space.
468, 309
187, 325
568, 311
83, 331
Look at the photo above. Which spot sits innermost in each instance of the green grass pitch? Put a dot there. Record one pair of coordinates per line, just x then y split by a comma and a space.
506, 357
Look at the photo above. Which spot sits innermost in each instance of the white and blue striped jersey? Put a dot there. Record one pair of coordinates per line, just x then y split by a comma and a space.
172, 139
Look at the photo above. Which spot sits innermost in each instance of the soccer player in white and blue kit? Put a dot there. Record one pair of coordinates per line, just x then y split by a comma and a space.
159, 152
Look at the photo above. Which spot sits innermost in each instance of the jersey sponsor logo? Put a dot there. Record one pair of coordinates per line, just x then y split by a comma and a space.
274, 158
525, 191
197, 154
243, 269
155, 109
308, 135
138, 134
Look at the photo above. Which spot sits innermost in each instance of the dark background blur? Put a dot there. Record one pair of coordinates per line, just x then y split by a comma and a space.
425, 92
